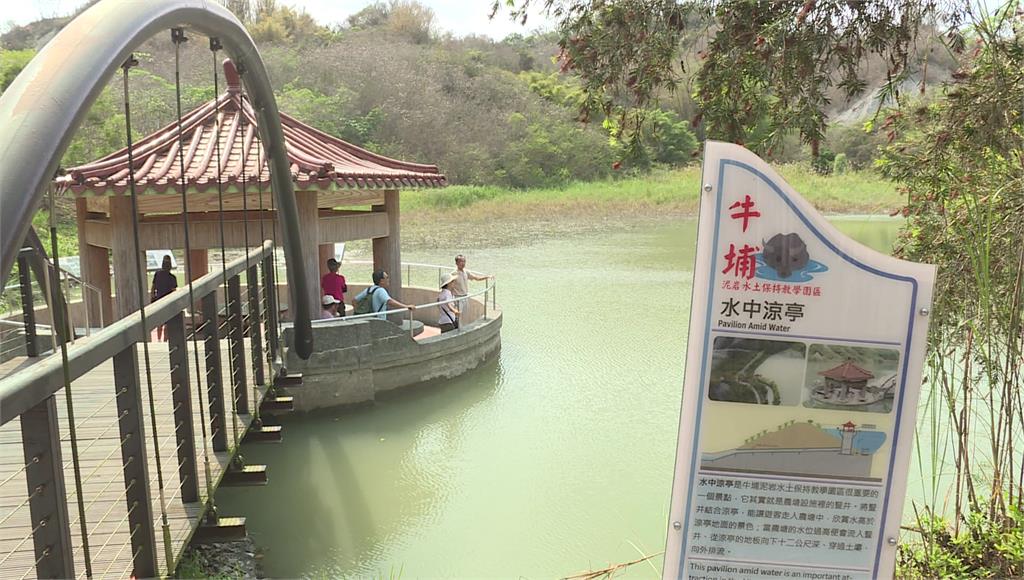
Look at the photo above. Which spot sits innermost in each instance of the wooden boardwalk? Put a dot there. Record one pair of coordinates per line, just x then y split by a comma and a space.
99, 446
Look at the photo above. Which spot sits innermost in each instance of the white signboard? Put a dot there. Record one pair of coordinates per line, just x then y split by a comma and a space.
802, 379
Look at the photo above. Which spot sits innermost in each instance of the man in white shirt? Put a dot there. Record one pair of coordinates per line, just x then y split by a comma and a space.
460, 286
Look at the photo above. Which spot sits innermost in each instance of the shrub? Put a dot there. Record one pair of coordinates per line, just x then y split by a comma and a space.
840, 165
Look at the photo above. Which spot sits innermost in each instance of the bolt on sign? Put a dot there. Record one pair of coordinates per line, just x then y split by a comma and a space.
802, 380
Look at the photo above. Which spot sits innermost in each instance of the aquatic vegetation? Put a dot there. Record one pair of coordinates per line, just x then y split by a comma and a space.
961, 164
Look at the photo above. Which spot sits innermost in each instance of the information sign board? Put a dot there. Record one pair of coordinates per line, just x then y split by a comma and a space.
802, 379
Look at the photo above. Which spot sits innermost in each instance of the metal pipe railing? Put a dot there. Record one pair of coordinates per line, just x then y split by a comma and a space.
487, 291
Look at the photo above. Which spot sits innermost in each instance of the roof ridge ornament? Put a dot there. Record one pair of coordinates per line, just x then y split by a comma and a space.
232, 77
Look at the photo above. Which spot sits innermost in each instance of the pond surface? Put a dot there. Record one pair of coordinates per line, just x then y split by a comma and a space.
555, 457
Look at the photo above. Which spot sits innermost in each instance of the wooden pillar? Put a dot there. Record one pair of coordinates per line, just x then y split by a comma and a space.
122, 246
94, 263
214, 373
134, 460
181, 398
236, 346
198, 263
44, 474
309, 232
387, 251
326, 253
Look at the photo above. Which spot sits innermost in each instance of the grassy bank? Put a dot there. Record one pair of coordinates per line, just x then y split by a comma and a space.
524, 214
674, 191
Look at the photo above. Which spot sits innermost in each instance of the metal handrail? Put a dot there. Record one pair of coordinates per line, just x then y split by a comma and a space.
400, 310
416, 264
68, 277
490, 288
21, 391
85, 286
4, 321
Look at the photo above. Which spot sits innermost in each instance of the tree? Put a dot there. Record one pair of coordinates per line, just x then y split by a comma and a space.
767, 63
405, 18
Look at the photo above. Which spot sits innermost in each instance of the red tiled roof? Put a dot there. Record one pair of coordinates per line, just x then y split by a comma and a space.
318, 160
847, 372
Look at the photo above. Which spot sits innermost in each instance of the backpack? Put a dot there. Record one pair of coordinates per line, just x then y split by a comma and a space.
364, 305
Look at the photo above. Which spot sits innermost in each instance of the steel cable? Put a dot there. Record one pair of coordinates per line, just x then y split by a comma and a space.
178, 37
141, 297
59, 309
214, 47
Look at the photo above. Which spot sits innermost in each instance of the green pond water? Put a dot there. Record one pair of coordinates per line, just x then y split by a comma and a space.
554, 457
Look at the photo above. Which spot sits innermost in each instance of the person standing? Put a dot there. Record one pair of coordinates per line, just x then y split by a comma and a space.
460, 286
378, 295
333, 284
448, 319
163, 284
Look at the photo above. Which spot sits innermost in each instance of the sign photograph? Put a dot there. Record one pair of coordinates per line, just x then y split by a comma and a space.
802, 379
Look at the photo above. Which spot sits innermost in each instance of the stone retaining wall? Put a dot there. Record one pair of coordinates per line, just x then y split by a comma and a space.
352, 361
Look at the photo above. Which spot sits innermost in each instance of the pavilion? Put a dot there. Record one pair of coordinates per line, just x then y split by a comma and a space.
335, 182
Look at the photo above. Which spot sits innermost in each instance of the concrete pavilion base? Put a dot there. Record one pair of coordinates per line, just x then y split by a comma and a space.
352, 361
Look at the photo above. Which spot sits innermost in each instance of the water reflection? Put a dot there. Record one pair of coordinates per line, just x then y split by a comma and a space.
348, 487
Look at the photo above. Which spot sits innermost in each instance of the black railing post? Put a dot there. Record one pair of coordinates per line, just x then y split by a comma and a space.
252, 282
28, 311
40, 437
236, 344
214, 373
134, 460
182, 400
270, 287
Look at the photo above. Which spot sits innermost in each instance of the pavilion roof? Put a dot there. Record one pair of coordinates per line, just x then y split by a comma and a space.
847, 372
318, 161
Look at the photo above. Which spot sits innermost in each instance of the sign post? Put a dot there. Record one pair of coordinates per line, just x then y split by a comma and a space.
803, 373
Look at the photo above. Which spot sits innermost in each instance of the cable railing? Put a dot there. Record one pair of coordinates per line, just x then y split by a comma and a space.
20, 328
489, 293
108, 519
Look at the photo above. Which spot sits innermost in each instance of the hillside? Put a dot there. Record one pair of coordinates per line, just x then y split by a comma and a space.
487, 112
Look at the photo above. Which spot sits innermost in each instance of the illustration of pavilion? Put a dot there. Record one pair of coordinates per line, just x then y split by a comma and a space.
846, 383
226, 175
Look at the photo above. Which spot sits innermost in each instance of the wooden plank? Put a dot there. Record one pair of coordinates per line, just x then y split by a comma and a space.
99, 445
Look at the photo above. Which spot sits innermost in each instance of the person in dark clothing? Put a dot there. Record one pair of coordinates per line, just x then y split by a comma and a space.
163, 284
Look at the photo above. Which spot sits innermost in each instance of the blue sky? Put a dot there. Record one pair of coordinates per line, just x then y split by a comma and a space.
461, 17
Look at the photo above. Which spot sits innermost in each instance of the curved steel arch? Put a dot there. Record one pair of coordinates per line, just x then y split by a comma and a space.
42, 109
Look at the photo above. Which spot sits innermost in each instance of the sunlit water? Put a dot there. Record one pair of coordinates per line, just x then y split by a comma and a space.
555, 457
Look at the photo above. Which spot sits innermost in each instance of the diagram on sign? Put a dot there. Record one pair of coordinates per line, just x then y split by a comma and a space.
851, 378
804, 448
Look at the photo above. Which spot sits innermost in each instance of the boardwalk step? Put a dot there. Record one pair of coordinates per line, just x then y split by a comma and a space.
288, 380
247, 475
279, 404
226, 529
263, 434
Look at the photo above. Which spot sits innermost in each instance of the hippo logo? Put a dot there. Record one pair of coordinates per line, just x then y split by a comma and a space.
785, 253
785, 258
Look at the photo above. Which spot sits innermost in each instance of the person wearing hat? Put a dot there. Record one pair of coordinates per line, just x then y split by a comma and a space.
330, 307
332, 283
449, 316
